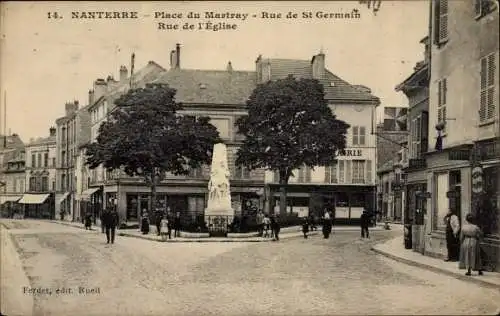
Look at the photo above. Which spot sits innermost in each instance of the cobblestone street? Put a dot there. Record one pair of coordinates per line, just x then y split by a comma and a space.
291, 277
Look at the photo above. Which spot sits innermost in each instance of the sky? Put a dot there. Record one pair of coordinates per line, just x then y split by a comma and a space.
45, 63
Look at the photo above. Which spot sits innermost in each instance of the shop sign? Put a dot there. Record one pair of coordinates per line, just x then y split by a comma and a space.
418, 163
477, 180
350, 153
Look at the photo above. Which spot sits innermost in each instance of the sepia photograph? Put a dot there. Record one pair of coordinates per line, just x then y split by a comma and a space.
235, 158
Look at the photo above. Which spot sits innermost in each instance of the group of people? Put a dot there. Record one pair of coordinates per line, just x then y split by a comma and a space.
463, 243
164, 222
269, 226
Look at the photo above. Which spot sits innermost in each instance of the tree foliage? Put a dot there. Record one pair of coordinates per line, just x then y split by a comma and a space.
145, 136
289, 125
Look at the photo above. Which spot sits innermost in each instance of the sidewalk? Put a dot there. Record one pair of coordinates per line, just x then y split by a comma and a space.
395, 250
13, 301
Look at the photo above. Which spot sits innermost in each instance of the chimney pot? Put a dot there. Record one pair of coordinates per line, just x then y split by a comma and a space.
178, 55
229, 67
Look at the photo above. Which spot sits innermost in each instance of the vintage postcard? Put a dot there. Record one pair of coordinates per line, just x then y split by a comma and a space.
249, 157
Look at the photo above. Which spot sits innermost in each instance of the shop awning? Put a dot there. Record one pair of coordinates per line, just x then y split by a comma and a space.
11, 198
87, 193
33, 198
62, 198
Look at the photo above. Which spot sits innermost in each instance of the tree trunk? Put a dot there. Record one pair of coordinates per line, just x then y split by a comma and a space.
283, 184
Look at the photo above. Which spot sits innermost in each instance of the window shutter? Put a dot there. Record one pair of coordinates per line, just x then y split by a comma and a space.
436, 21
477, 7
307, 171
443, 20
328, 171
341, 171
348, 171
425, 131
368, 171
355, 138
491, 87
362, 133
445, 91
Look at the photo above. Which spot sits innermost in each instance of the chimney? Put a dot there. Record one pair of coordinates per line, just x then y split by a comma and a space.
173, 59
265, 71
178, 56
71, 107
229, 67
91, 97
52, 131
100, 87
318, 66
123, 73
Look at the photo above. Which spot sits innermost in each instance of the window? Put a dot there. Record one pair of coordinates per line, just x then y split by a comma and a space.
483, 7
348, 171
358, 135
32, 184
45, 184
46, 160
63, 158
33, 160
331, 174
441, 21
63, 182
442, 92
487, 95
242, 172
368, 171
386, 187
304, 174
39, 161
53, 185
358, 171
416, 132
341, 171
53, 162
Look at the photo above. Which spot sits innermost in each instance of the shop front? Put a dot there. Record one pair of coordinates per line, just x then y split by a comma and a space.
91, 202
415, 210
39, 206
347, 202
9, 206
448, 181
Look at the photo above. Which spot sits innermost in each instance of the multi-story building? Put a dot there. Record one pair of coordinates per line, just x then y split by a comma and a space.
73, 131
40, 177
462, 170
349, 185
416, 89
11, 173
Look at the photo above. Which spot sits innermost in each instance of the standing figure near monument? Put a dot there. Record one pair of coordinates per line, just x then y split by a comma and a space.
177, 224
110, 220
145, 222
305, 226
275, 226
327, 224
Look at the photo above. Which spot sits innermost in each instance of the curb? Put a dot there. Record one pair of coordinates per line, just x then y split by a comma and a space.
74, 226
435, 269
209, 240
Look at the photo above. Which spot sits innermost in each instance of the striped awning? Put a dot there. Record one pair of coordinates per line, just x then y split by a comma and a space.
9, 198
62, 198
87, 193
33, 198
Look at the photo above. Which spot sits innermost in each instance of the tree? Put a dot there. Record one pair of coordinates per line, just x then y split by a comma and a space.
289, 125
144, 136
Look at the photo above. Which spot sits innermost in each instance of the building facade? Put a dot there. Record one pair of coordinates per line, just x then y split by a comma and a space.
463, 115
347, 186
12, 175
40, 177
73, 130
416, 89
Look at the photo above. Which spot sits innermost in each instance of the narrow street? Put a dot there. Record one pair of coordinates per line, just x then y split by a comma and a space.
292, 277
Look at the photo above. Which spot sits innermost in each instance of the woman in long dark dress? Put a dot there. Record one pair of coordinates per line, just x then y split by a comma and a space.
88, 220
145, 223
470, 251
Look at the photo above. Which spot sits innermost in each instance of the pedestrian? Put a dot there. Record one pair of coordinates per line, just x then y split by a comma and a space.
275, 226
267, 226
470, 246
260, 222
111, 221
327, 224
305, 226
145, 222
452, 235
104, 214
365, 222
88, 221
165, 231
177, 224
158, 218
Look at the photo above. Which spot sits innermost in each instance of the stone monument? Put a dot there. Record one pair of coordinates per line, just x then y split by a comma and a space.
219, 212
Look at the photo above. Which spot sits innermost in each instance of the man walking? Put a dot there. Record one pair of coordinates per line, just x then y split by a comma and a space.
111, 221
365, 222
